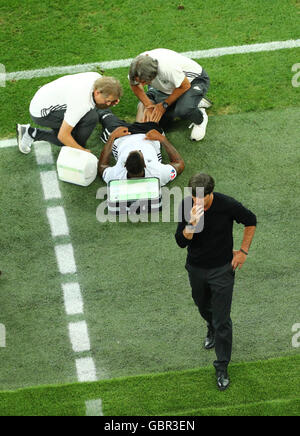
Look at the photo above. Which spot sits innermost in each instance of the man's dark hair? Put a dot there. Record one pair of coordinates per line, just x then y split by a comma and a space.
202, 181
134, 163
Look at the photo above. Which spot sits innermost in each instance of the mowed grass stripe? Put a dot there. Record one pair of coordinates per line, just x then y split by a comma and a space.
255, 387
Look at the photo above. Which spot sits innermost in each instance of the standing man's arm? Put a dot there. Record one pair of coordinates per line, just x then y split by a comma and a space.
240, 256
175, 159
107, 150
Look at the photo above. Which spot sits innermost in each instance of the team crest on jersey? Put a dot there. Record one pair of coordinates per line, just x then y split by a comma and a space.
173, 174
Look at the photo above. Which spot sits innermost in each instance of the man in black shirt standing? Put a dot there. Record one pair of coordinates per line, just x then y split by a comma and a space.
206, 229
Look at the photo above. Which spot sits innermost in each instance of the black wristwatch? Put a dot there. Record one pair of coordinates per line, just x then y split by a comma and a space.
165, 105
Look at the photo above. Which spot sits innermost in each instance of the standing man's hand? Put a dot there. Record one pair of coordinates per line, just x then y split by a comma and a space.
196, 214
238, 260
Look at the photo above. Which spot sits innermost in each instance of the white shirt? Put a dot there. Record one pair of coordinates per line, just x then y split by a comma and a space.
154, 168
73, 93
172, 69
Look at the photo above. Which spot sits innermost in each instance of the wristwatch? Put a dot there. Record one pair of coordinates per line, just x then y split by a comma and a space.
165, 105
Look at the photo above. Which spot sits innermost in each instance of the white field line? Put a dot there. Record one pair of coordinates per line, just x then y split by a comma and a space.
2, 336
86, 371
50, 185
72, 298
65, 259
94, 408
110, 65
78, 331
43, 153
57, 221
79, 336
6, 143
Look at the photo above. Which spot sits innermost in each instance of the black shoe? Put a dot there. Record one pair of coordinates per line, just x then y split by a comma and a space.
223, 380
209, 342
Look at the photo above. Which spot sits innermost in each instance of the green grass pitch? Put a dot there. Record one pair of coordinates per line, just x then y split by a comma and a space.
145, 332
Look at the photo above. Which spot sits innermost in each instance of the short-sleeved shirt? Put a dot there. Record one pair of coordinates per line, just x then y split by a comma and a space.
173, 68
72, 94
154, 168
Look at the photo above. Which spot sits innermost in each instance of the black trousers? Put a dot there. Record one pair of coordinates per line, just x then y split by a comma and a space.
212, 291
186, 107
81, 132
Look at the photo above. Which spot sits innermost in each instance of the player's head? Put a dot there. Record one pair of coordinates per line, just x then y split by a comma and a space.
143, 70
135, 165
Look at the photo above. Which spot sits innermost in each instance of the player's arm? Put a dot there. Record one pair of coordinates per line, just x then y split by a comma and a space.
175, 158
66, 138
107, 149
159, 110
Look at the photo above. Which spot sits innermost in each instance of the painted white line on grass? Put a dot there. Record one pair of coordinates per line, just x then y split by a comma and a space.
86, 371
65, 259
6, 143
58, 221
78, 331
50, 185
109, 65
94, 408
72, 299
79, 336
2, 336
43, 153
243, 49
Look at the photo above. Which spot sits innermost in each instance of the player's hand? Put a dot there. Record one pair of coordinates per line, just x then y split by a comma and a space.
154, 135
119, 132
238, 260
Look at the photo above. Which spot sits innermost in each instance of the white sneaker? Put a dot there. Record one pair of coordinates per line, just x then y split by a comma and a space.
205, 103
199, 130
24, 139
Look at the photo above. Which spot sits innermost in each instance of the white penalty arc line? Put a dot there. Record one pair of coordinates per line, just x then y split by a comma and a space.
110, 65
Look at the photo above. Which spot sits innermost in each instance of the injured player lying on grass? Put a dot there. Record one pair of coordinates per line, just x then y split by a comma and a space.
136, 148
